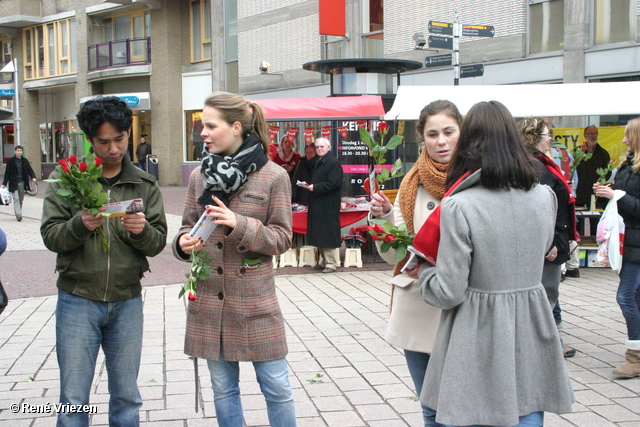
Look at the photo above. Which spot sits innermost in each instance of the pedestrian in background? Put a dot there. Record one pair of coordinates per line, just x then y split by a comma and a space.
99, 292
303, 172
413, 323
628, 296
18, 174
323, 223
142, 152
286, 156
497, 360
235, 315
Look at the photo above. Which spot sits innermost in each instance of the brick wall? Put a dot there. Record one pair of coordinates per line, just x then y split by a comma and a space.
405, 17
286, 46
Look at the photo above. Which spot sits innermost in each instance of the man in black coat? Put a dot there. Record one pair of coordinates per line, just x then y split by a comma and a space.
323, 226
18, 173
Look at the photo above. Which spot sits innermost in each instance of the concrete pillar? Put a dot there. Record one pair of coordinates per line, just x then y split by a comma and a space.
354, 27
576, 40
218, 65
166, 92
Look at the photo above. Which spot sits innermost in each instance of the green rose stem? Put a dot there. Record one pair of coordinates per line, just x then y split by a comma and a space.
200, 270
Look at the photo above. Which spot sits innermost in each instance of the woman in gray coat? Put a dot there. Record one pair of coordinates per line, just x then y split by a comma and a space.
497, 359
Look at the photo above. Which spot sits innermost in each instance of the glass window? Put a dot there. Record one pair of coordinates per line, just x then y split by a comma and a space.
546, 26
200, 30
373, 28
49, 49
614, 21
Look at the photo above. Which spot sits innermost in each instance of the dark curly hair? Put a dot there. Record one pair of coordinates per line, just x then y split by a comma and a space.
103, 109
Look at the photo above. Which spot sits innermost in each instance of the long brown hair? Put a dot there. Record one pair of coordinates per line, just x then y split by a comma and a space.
233, 108
490, 140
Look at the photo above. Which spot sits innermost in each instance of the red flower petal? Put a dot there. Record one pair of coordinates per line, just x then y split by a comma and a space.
73, 160
98, 161
82, 166
192, 296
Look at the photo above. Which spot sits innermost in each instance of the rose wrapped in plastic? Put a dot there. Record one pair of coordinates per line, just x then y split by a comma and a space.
82, 188
396, 237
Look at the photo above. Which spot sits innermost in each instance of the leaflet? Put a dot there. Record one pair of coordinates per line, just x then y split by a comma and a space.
415, 259
204, 227
123, 208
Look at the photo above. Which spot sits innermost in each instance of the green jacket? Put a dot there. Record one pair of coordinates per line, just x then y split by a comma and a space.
85, 268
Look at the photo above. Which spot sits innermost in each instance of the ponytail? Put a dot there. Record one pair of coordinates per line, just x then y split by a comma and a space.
259, 125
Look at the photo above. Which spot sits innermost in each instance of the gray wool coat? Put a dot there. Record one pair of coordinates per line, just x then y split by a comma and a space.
238, 304
497, 354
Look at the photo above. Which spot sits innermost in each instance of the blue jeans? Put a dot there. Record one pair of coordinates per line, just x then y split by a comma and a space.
417, 363
534, 419
628, 298
82, 326
273, 377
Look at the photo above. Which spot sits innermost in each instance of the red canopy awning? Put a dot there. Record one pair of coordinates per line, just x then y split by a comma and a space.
333, 108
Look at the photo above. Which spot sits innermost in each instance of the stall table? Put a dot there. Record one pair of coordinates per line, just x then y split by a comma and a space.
346, 218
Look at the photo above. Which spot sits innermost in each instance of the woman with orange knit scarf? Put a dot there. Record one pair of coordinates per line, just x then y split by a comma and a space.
413, 323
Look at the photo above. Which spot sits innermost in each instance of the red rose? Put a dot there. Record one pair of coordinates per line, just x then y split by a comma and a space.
382, 127
63, 162
192, 296
378, 228
98, 161
82, 166
377, 237
369, 228
389, 238
73, 160
65, 168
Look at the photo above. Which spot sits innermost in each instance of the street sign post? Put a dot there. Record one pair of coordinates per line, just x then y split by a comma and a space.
438, 60
441, 28
475, 70
478, 31
441, 42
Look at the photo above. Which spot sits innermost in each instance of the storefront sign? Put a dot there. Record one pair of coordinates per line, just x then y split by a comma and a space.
7, 92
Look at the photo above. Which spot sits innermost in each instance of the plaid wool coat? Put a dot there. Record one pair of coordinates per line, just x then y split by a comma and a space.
237, 304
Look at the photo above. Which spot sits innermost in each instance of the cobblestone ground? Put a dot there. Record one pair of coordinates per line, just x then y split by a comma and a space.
342, 370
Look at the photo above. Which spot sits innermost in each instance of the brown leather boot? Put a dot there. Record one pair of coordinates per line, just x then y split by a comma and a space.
630, 368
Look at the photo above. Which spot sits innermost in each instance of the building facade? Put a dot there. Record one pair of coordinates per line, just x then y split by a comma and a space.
165, 56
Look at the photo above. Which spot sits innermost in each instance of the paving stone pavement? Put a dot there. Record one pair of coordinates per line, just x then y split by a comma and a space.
342, 371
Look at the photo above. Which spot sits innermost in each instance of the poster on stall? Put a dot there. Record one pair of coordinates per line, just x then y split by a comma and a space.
609, 137
354, 156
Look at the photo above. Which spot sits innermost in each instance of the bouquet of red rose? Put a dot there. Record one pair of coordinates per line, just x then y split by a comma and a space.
81, 186
396, 237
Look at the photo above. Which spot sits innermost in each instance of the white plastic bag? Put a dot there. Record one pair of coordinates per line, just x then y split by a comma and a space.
5, 196
610, 235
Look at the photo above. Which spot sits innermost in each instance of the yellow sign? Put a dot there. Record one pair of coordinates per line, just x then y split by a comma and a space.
609, 137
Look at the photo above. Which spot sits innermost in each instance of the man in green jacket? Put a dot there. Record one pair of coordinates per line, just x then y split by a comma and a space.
99, 290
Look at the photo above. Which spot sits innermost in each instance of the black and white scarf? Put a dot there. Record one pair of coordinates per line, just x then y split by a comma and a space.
225, 175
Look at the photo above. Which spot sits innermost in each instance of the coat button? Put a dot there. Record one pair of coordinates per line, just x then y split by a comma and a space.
243, 270
219, 245
431, 206
220, 295
219, 270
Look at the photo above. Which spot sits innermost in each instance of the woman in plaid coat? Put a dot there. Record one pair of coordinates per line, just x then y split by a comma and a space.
235, 315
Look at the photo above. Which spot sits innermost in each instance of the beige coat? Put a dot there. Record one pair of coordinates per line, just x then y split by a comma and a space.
413, 323
238, 304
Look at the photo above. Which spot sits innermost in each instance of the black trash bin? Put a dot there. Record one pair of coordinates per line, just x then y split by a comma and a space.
152, 165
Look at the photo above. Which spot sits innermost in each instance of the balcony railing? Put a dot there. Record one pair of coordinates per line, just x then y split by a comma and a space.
119, 54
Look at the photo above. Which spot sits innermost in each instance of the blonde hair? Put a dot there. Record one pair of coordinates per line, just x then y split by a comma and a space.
233, 108
632, 132
531, 129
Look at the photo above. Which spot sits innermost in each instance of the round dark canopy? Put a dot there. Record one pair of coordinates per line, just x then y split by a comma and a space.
362, 65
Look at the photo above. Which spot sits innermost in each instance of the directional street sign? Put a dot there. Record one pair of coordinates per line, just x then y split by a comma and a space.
440, 42
475, 70
438, 60
436, 27
7, 92
478, 31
